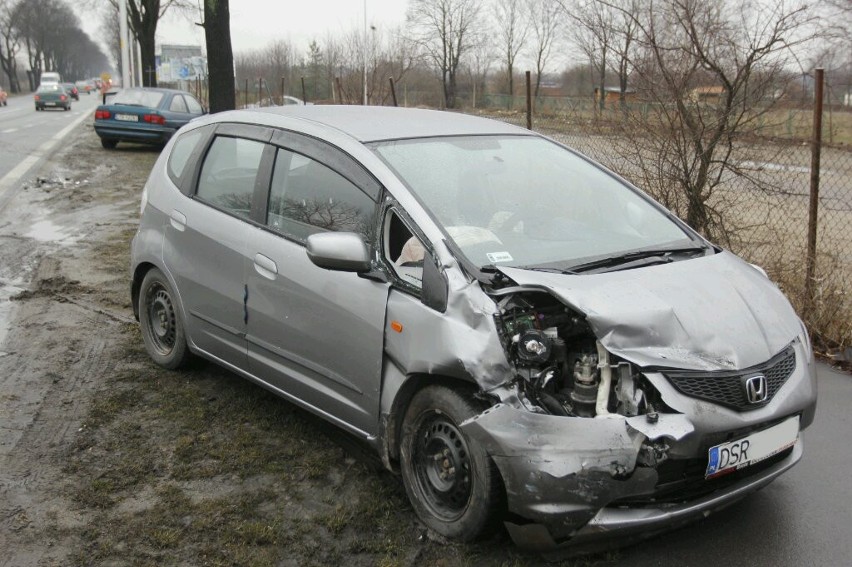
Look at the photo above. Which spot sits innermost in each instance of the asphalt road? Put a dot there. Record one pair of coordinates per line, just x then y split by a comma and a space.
803, 518
27, 136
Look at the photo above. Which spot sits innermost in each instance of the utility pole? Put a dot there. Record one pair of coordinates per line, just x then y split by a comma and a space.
364, 99
122, 32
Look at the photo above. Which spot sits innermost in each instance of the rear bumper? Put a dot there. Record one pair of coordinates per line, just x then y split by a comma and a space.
139, 134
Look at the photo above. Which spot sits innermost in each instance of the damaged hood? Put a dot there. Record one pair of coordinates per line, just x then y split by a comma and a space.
711, 313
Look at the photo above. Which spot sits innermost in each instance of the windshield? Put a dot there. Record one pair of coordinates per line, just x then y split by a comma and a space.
136, 97
525, 201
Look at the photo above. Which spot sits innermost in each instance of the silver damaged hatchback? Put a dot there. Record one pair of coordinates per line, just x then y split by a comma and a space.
523, 336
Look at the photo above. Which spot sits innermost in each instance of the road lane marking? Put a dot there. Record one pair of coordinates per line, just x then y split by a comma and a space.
9, 182
9, 131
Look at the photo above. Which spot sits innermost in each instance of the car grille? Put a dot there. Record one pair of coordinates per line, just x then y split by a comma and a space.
728, 389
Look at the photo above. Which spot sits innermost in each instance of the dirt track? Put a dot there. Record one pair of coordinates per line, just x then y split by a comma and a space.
105, 459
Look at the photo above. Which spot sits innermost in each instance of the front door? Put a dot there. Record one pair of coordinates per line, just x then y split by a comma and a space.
315, 334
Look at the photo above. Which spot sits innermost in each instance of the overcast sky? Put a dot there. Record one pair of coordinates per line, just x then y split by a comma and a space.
256, 23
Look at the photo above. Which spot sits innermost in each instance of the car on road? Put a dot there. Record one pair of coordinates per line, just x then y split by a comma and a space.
52, 95
144, 115
4, 97
87, 87
72, 91
521, 334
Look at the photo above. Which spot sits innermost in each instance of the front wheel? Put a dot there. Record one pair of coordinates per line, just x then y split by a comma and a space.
162, 328
452, 483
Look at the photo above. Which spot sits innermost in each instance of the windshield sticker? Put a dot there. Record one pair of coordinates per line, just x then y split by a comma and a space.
495, 257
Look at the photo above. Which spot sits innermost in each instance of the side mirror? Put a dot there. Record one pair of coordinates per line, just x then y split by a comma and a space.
436, 289
340, 251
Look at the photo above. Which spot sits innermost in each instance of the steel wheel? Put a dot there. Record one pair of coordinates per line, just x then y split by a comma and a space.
450, 480
442, 466
160, 320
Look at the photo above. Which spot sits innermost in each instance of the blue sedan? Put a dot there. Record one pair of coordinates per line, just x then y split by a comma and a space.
145, 116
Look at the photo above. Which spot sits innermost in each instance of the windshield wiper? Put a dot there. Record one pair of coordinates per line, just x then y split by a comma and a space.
634, 259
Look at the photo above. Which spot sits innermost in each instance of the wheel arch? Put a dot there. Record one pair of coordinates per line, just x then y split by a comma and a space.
398, 389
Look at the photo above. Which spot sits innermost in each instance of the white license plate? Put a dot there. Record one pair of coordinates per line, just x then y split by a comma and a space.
127, 117
734, 455
50, 104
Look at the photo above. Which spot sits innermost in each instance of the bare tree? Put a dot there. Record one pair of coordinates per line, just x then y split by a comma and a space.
446, 31
143, 17
689, 143
544, 24
10, 43
511, 29
592, 31
625, 28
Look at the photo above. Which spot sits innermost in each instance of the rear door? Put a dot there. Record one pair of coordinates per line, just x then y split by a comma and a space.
316, 334
205, 245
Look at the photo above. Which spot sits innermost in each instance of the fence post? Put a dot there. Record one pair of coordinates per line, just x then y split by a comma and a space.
282, 91
529, 103
304, 95
259, 91
393, 91
245, 96
813, 209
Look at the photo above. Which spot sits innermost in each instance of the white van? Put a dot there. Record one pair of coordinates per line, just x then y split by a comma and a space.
49, 78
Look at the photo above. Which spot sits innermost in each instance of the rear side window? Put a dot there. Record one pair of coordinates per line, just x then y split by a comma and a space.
177, 104
181, 151
228, 174
194, 106
307, 197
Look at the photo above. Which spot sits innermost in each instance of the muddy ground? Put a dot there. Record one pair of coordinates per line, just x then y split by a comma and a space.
106, 459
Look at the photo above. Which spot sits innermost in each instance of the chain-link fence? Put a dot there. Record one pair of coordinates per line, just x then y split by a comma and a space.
751, 194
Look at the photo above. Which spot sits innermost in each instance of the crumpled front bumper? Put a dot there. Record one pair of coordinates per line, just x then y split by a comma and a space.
564, 475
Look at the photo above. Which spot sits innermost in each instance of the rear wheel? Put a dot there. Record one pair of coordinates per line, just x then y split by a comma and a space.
108, 143
451, 482
159, 317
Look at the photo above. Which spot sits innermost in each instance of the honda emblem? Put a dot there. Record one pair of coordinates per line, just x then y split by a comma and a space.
757, 391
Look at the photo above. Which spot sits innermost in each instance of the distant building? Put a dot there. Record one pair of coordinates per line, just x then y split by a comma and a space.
710, 95
613, 94
177, 63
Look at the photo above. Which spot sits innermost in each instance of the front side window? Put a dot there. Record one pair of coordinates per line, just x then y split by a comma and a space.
308, 197
525, 201
228, 174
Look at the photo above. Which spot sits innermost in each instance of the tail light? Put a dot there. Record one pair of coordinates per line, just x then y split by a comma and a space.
102, 115
154, 119
37, 97
62, 97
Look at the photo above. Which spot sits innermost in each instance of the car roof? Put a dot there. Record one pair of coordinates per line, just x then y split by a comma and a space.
375, 123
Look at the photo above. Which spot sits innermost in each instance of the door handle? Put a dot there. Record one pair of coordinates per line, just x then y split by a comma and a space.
178, 220
265, 266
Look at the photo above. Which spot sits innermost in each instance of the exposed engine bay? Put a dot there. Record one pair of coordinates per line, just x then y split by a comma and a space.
561, 368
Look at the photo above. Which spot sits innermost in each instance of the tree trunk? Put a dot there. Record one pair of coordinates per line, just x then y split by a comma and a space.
220, 55
149, 60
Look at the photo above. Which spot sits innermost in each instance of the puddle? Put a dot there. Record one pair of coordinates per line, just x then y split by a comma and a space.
47, 231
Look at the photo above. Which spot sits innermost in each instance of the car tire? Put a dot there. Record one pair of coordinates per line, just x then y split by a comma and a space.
161, 323
459, 495
109, 144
